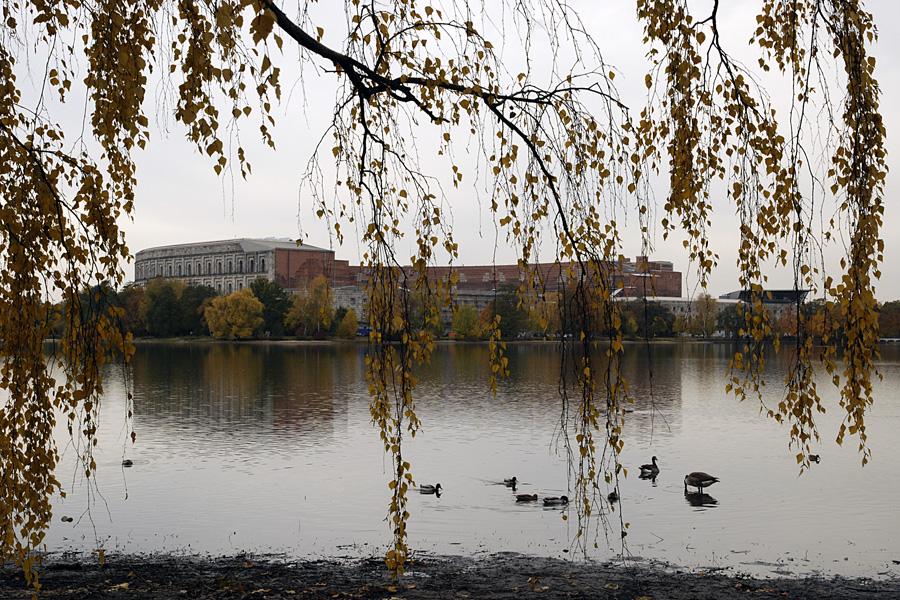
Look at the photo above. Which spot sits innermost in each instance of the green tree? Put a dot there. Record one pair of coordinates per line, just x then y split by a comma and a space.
275, 304
505, 304
237, 316
467, 323
311, 308
161, 309
192, 306
889, 319
731, 320
562, 151
652, 318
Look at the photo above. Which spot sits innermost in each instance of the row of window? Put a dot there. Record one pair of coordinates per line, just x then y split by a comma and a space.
149, 272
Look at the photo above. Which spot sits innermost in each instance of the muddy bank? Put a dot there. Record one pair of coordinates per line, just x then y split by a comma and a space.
499, 577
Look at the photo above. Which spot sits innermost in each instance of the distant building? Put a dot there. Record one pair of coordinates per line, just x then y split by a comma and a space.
231, 265
775, 302
638, 279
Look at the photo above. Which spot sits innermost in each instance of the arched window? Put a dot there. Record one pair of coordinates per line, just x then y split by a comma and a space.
262, 265
251, 265
219, 287
209, 268
240, 266
179, 270
170, 270
240, 285
219, 267
230, 268
229, 288
188, 267
199, 270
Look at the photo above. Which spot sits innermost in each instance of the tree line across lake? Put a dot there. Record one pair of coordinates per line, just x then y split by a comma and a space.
171, 308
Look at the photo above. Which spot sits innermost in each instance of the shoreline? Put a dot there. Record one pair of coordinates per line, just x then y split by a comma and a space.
500, 576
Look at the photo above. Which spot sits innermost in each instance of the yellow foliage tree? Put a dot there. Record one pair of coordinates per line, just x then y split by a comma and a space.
348, 325
562, 156
237, 316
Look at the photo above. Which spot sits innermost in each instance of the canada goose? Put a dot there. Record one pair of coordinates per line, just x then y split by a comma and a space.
699, 480
554, 501
814, 458
511, 482
651, 469
526, 497
430, 489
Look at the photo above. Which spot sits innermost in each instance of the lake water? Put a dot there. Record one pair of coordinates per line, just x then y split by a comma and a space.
270, 449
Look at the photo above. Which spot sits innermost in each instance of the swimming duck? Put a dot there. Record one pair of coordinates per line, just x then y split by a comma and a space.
430, 489
613, 496
650, 469
510, 482
814, 458
526, 497
127, 462
554, 501
699, 480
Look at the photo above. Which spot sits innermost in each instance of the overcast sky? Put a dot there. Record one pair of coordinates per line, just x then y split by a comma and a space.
181, 200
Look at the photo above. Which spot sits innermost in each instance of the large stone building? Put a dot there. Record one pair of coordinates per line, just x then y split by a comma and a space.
231, 265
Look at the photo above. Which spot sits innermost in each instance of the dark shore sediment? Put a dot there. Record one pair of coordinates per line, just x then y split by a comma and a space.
498, 577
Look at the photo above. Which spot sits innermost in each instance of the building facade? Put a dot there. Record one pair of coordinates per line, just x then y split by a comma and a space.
228, 266
231, 265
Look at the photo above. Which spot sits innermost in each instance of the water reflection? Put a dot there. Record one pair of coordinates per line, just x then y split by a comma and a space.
699, 499
649, 475
266, 447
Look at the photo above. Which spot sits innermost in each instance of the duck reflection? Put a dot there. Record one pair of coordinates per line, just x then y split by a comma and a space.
651, 477
700, 499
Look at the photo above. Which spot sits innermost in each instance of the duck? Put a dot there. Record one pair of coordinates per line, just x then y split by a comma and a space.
699, 480
556, 501
650, 469
814, 458
526, 497
430, 489
511, 482
613, 496
127, 462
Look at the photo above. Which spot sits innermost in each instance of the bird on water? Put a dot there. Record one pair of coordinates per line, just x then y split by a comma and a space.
556, 501
650, 469
699, 480
430, 489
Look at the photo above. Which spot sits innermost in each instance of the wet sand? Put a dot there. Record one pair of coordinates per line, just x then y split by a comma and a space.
498, 577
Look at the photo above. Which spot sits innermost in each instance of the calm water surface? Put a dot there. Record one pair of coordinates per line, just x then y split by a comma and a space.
270, 449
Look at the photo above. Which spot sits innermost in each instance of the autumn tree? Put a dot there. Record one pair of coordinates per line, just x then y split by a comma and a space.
706, 315
237, 316
562, 155
348, 325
